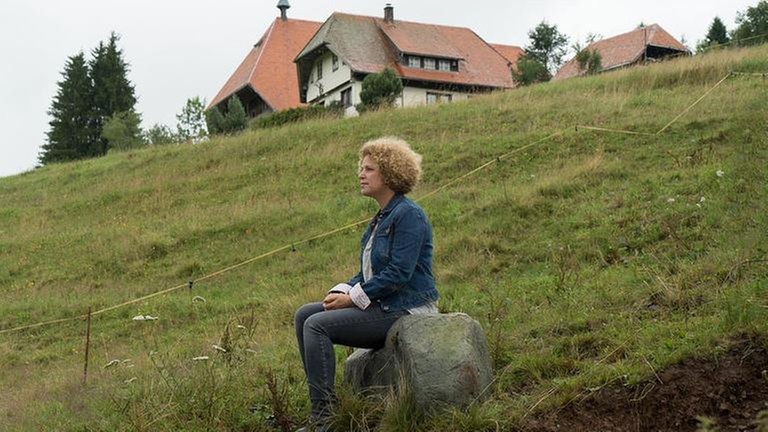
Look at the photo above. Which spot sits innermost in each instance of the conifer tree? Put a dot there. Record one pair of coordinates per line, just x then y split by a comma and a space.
71, 134
112, 91
717, 33
236, 119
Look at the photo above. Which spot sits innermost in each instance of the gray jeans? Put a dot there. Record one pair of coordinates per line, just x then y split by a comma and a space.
317, 330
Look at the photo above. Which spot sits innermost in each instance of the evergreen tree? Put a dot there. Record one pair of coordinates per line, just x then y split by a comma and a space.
548, 46
191, 120
752, 25
381, 89
214, 120
717, 33
236, 119
71, 134
112, 91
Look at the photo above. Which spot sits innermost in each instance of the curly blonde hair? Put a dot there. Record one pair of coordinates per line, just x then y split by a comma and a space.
399, 165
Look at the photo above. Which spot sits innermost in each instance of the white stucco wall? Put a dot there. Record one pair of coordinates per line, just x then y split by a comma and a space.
417, 96
331, 79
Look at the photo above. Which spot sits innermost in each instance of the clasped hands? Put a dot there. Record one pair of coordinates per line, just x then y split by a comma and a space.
338, 298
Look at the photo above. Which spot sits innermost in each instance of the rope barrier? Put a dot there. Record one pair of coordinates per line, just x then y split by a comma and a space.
354, 224
600, 129
694, 104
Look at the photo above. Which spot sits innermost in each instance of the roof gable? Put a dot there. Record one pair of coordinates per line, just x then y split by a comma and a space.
625, 49
268, 68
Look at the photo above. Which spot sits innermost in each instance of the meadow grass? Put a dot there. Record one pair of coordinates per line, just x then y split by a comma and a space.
591, 258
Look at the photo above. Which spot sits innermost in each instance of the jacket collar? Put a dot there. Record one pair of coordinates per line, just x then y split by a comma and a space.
392, 203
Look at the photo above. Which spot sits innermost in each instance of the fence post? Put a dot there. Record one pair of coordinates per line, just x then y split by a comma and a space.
87, 345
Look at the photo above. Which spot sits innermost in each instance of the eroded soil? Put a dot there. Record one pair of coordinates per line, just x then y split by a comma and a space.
730, 388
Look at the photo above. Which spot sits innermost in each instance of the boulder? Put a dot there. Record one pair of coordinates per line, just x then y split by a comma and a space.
442, 359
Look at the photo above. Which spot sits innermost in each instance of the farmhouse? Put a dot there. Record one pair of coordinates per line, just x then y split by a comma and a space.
266, 80
436, 63
647, 43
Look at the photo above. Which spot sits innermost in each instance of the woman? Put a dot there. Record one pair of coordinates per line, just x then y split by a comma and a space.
395, 276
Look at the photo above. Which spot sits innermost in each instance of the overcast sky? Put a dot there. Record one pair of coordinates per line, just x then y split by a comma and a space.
180, 49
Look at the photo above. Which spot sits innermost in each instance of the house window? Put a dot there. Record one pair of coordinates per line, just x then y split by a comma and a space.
414, 61
444, 65
319, 70
429, 63
335, 62
346, 97
433, 98
455, 65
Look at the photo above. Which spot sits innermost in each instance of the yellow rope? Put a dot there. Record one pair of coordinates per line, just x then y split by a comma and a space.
694, 104
595, 128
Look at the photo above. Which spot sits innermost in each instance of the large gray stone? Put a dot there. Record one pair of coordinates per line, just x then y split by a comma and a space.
441, 358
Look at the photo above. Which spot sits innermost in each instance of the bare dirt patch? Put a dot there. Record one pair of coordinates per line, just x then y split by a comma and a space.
731, 388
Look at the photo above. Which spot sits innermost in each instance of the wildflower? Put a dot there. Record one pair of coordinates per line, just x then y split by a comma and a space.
670, 200
218, 348
702, 199
196, 299
720, 173
144, 318
112, 363
200, 358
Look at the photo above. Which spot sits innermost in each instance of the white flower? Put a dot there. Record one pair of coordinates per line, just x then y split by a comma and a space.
200, 358
112, 363
144, 318
670, 200
198, 299
720, 173
218, 348
702, 199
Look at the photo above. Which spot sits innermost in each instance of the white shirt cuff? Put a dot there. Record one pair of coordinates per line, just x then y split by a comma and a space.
340, 288
359, 298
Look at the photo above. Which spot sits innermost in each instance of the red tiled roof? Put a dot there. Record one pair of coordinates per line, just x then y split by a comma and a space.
510, 52
625, 49
269, 69
371, 44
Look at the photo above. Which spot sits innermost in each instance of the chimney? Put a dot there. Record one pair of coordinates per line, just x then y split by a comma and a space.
389, 13
283, 6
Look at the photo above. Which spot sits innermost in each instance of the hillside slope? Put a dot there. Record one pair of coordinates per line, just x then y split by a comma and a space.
589, 258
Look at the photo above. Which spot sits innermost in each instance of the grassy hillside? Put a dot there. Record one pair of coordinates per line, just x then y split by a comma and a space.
590, 258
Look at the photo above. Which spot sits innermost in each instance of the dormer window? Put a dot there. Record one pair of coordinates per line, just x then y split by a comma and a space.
432, 63
335, 62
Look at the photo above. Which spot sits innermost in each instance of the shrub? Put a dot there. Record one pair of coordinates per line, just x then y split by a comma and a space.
380, 89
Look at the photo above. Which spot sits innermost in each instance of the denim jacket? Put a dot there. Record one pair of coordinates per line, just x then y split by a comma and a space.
401, 257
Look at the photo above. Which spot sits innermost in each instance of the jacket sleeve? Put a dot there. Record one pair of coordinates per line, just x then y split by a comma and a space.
358, 278
410, 231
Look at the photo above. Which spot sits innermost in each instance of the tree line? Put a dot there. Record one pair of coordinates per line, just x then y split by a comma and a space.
547, 46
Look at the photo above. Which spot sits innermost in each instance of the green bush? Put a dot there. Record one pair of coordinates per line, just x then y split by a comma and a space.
380, 90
